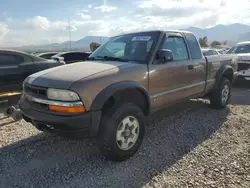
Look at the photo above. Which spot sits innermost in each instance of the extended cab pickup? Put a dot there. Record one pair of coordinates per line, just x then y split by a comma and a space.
127, 78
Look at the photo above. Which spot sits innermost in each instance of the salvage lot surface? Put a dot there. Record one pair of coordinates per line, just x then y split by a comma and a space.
189, 145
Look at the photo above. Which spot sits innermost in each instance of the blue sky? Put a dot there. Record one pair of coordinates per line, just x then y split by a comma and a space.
38, 22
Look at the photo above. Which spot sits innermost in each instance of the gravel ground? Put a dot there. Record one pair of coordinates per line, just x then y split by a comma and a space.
189, 145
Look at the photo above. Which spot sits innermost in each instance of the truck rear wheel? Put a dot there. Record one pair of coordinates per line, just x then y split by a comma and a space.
221, 95
121, 131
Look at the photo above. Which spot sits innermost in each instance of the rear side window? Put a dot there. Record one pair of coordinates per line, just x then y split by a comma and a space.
47, 56
193, 46
10, 60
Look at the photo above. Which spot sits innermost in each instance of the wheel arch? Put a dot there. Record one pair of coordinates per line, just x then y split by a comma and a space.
225, 71
126, 90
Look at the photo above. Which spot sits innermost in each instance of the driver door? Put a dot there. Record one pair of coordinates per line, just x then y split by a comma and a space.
168, 82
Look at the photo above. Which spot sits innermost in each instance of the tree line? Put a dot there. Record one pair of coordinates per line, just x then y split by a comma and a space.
204, 42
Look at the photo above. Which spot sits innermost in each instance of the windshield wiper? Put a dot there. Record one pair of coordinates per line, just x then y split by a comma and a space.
112, 58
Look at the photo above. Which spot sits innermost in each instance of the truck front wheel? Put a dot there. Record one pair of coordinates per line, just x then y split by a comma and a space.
221, 95
121, 131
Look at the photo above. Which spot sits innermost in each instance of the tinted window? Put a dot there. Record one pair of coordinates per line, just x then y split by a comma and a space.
80, 56
10, 60
240, 49
207, 52
67, 57
75, 56
178, 47
215, 52
46, 56
193, 46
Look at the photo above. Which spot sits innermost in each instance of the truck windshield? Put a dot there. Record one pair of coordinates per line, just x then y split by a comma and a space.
134, 47
239, 49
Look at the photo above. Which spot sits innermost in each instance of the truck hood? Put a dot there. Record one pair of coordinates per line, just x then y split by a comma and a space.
244, 57
62, 77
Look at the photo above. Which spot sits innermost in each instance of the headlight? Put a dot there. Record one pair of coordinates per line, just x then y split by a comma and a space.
62, 95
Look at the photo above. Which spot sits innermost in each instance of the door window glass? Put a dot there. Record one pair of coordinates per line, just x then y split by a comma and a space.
178, 47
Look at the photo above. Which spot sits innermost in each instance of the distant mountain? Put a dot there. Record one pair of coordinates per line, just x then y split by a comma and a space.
231, 33
222, 32
81, 44
88, 39
244, 37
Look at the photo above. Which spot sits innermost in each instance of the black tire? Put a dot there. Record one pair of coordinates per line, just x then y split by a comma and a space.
216, 98
106, 139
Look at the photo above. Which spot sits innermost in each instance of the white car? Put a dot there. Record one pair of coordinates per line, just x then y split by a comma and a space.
243, 52
208, 52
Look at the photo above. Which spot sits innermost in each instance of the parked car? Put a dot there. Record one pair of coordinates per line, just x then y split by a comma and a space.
243, 52
46, 55
15, 66
71, 57
222, 51
207, 52
108, 96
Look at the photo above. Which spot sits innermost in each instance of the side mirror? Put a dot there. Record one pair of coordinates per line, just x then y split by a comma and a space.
165, 55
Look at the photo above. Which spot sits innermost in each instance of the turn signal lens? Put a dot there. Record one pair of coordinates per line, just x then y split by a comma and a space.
67, 109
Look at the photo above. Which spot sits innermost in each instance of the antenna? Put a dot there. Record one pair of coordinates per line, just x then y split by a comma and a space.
69, 34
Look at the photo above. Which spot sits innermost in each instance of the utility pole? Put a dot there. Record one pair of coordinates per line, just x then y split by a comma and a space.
69, 34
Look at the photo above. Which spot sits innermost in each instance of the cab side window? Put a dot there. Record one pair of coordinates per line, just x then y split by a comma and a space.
178, 46
194, 46
10, 60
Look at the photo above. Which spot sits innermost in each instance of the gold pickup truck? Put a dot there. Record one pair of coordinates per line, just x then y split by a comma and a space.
127, 78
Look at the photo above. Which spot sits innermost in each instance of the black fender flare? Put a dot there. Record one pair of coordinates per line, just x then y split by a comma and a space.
110, 90
221, 72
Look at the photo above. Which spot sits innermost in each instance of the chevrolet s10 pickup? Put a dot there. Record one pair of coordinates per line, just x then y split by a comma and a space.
125, 79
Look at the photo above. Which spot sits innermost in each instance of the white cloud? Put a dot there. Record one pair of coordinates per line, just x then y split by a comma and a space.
105, 8
201, 13
140, 15
45, 24
4, 29
41, 22
84, 16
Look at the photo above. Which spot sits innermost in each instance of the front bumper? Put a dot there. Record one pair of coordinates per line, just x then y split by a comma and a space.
85, 125
245, 74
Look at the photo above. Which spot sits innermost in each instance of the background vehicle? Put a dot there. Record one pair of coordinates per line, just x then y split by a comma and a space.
222, 51
15, 66
46, 55
126, 79
71, 57
243, 52
207, 52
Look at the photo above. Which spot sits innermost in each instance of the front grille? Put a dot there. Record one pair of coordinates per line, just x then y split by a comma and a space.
39, 106
35, 91
243, 66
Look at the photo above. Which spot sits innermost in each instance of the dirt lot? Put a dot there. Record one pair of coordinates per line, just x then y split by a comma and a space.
189, 145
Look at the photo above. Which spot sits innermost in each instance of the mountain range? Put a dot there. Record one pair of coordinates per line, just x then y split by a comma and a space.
231, 33
82, 44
